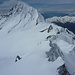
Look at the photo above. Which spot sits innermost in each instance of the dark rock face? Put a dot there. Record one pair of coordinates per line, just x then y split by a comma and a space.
48, 37
62, 70
50, 28
54, 52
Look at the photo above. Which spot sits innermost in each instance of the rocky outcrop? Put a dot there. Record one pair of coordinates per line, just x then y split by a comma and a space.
50, 28
54, 52
62, 70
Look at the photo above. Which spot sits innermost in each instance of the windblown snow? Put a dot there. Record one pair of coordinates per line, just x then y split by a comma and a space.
24, 33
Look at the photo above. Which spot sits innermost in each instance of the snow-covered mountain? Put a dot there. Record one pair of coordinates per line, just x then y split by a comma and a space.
65, 19
66, 22
20, 17
25, 37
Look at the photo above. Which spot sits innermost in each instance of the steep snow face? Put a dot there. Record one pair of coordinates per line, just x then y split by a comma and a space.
56, 50
20, 17
70, 61
64, 19
63, 45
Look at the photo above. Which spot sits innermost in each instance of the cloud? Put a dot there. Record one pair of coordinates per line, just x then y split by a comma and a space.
50, 1
40, 4
8, 4
65, 8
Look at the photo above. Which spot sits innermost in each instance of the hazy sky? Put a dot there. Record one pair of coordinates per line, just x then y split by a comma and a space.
7, 4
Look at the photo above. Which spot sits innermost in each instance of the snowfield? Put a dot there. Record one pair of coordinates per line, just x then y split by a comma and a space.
25, 33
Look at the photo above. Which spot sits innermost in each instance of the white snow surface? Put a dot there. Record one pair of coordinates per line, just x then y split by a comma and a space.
64, 19
31, 45
21, 35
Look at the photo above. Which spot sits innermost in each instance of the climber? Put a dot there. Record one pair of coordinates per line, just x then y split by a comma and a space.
17, 58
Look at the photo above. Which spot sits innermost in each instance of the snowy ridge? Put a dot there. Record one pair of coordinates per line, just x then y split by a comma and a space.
24, 32
64, 19
55, 50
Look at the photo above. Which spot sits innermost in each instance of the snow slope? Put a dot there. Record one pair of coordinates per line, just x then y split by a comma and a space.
25, 33
31, 48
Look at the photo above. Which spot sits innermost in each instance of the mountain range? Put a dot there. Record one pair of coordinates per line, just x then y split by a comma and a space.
31, 46
66, 22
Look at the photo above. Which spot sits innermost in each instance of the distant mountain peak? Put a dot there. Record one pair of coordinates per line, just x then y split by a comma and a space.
65, 19
21, 16
19, 7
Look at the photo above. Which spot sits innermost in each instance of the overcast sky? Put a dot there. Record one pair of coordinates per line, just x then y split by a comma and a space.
5, 4
36, 2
